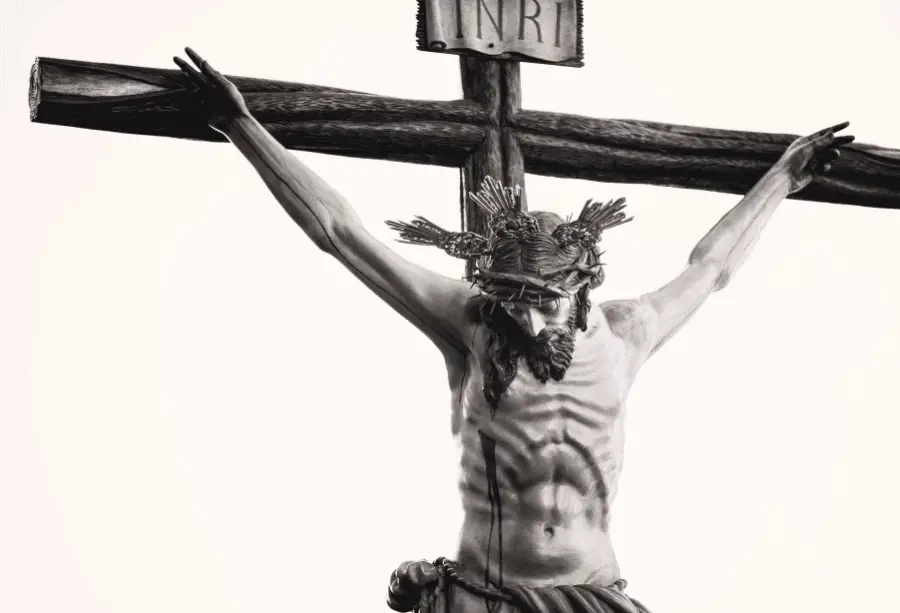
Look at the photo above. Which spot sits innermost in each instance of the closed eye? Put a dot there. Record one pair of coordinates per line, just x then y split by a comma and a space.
550, 307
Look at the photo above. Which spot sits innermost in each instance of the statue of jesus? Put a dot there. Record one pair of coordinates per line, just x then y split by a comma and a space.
539, 369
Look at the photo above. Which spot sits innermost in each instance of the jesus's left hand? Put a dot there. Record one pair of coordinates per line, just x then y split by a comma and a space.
810, 156
221, 100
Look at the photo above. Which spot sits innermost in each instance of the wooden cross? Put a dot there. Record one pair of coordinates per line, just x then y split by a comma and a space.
485, 133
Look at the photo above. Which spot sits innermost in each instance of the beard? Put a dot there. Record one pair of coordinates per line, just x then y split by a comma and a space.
547, 355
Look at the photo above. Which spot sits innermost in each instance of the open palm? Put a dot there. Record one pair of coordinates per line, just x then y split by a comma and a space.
220, 98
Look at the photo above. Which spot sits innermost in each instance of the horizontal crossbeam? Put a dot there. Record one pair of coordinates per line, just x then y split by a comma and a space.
305, 117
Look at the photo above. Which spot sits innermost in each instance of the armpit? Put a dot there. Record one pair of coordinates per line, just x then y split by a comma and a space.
631, 320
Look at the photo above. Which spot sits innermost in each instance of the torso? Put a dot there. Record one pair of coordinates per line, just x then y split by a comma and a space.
558, 449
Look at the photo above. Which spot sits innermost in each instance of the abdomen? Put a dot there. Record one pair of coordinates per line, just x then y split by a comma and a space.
556, 451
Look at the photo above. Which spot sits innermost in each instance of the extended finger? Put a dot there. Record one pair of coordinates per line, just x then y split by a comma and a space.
831, 130
195, 77
205, 67
842, 141
195, 57
837, 127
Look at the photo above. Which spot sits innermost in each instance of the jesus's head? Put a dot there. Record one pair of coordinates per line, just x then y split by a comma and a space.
530, 315
534, 272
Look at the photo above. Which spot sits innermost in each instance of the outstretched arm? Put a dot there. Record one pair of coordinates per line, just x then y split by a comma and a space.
717, 257
435, 304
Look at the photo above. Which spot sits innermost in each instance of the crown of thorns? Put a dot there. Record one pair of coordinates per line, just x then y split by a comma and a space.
507, 224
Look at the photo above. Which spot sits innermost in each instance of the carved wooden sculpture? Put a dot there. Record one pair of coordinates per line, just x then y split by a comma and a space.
539, 373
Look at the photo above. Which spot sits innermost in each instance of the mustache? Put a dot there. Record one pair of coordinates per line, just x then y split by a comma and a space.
545, 336
548, 335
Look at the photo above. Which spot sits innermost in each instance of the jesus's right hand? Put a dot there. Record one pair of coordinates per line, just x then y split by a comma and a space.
220, 98
408, 582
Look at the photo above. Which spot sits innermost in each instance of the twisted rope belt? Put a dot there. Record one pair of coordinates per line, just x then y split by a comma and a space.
585, 598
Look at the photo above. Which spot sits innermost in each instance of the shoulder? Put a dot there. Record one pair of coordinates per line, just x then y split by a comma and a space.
630, 320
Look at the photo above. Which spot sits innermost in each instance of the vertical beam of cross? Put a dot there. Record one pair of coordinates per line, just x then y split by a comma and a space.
494, 85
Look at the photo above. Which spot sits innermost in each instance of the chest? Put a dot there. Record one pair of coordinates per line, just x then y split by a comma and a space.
591, 394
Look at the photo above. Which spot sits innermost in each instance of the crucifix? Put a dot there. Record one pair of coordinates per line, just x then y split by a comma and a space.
538, 372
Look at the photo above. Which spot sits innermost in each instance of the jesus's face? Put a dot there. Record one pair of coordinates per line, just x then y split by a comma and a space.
541, 335
547, 341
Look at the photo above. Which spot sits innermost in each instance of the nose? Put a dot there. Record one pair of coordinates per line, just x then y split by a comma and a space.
534, 323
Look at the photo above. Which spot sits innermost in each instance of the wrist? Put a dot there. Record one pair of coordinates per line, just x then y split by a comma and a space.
781, 178
780, 172
781, 167
235, 123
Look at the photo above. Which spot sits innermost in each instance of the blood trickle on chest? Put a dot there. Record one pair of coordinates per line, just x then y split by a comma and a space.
556, 446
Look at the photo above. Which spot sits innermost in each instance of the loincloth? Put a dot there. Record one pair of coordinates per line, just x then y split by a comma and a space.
585, 598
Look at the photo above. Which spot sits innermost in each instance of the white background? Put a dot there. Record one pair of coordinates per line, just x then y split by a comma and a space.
199, 411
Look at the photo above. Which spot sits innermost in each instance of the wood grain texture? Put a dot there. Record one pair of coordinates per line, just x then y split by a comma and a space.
93, 79
511, 87
513, 162
126, 89
419, 142
730, 161
496, 87
157, 102
482, 84
485, 161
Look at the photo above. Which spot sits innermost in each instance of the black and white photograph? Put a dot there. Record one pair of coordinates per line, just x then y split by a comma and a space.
321, 306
